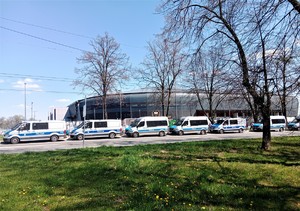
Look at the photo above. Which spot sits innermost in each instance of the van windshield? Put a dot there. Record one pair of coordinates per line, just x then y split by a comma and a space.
220, 121
16, 126
135, 123
80, 125
178, 122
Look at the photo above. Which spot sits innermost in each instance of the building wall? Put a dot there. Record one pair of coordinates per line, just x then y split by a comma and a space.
57, 113
133, 105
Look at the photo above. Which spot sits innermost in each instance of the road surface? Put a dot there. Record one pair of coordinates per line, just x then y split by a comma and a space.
38, 146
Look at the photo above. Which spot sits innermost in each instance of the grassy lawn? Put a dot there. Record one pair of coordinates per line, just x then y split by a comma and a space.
212, 175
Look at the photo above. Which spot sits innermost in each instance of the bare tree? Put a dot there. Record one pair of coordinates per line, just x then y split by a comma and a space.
249, 28
209, 79
6, 123
286, 71
103, 68
249, 100
161, 68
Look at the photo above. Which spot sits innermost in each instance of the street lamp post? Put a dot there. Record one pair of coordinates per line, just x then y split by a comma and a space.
32, 111
25, 101
120, 99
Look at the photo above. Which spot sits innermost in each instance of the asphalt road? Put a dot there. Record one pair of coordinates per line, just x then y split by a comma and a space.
39, 146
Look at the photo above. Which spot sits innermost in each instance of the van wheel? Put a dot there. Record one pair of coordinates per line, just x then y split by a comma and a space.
241, 130
221, 131
135, 135
14, 140
80, 137
161, 133
202, 132
281, 129
54, 138
180, 132
112, 135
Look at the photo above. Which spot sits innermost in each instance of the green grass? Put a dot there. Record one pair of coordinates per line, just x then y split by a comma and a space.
212, 175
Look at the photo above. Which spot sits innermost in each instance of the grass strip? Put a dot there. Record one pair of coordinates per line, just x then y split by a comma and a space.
211, 175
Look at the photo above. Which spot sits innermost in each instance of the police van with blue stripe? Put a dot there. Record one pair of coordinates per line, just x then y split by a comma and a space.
151, 125
229, 125
277, 123
190, 125
36, 130
96, 129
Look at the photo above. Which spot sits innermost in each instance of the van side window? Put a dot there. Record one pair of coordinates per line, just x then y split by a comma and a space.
141, 124
89, 125
185, 123
233, 122
278, 121
100, 124
157, 123
199, 122
40, 126
25, 127
163, 123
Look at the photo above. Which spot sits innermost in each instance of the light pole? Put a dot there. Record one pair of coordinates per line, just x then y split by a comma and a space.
25, 100
32, 111
120, 99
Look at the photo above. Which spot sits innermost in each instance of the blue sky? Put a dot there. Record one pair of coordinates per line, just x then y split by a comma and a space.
48, 68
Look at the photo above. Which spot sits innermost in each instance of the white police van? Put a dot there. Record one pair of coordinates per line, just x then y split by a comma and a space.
158, 125
36, 130
295, 124
277, 123
229, 125
191, 124
97, 128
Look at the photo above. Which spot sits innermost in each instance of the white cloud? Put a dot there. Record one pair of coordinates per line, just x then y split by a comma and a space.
63, 100
30, 84
1, 81
20, 106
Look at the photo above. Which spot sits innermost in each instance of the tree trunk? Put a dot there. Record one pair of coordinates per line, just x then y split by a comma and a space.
295, 4
162, 103
168, 102
284, 89
104, 106
266, 142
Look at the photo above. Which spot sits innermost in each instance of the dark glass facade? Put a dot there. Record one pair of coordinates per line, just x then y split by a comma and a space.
133, 105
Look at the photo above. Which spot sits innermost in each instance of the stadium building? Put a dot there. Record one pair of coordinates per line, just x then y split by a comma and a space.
137, 104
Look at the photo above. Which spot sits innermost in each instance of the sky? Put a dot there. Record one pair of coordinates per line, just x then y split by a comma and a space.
41, 39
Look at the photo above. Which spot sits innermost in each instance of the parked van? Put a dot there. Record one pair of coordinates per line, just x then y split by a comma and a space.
158, 125
97, 128
229, 125
36, 130
191, 124
295, 124
278, 123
